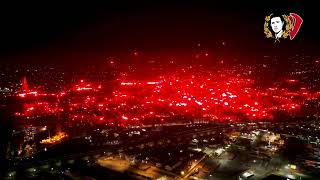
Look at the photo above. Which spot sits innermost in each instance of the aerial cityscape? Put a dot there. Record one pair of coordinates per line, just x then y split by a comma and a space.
203, 108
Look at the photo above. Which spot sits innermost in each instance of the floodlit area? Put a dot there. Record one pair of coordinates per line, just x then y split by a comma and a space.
114, 163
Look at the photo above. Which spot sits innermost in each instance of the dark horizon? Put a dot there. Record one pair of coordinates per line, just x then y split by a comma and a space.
73, 33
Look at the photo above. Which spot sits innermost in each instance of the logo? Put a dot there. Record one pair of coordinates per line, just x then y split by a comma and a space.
282, 26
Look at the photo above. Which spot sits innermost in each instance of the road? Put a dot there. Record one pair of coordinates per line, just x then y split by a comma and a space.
190, 171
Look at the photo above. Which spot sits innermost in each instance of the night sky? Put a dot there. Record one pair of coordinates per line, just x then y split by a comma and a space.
81, 33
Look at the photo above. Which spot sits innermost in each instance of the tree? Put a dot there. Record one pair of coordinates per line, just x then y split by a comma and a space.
233, 148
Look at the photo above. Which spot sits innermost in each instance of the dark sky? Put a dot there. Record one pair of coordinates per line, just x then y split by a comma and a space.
81, 32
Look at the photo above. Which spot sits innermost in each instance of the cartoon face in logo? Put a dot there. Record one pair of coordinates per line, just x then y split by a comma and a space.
281, 26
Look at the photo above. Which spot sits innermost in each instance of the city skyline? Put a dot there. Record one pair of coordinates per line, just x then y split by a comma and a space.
159, 90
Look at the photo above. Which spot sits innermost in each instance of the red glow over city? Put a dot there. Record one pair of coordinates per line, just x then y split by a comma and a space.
197, 95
